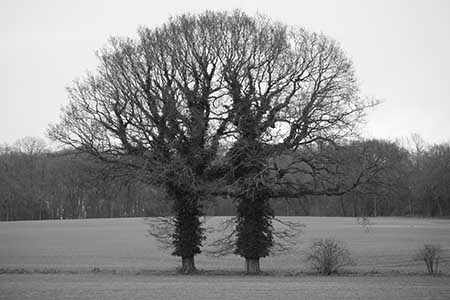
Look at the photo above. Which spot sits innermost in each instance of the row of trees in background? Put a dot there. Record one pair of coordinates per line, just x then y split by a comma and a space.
409, 181
37, 184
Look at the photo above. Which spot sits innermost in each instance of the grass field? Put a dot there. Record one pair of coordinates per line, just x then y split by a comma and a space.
113, 287
123, 244
121, 249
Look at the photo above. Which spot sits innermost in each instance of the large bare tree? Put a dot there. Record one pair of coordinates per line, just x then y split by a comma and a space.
249, 89
292, 92
150, 107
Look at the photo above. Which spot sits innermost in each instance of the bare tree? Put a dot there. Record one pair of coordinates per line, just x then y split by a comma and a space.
291, 92
430, 180
24, 179
150, 106
386, 177
252, 88
31, 146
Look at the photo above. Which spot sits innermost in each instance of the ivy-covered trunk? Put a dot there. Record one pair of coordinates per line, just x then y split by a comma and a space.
254, 225
188, 234
254, 214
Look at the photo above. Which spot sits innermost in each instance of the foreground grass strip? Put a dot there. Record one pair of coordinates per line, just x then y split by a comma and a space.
96, 270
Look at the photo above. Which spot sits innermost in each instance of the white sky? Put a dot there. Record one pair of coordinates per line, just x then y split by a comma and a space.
401, 51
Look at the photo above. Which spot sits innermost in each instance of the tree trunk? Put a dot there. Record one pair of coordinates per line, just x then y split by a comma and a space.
287, 207
252, 266
342, 206
448, 206
7, 211
411, 209
40, 209
375, 206
439, 206
355, 206
111, 210
188, 265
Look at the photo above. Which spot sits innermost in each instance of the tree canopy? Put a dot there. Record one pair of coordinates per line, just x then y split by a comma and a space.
214, 95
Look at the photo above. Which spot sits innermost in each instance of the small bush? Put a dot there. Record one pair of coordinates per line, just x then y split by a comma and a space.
365, 222
430, 254
327, 256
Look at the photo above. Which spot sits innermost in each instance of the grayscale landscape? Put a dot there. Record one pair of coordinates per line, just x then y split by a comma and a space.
235, 149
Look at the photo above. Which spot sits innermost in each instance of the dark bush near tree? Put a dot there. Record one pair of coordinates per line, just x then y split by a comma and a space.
328, 256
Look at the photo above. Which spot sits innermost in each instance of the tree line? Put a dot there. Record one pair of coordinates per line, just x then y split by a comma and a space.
223, 105
38, 184
411, 180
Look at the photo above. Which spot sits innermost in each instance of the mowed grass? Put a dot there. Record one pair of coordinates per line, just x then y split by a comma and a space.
389, 245
114, 287
117, 259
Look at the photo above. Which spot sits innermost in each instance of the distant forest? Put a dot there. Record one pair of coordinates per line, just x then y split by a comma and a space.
39, 184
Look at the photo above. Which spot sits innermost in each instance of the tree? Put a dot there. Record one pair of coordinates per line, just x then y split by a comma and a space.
23, 183
291, 92
30, 146
255, 89
430, 180
385, 185
150, 107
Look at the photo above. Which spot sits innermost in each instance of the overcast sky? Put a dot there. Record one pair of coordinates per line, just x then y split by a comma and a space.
401, 52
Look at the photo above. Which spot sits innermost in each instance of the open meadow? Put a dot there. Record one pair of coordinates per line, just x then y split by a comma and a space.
105, 258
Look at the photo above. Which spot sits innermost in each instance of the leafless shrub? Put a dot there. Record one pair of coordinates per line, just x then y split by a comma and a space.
285, 235
327, 256
365, 223
430, 254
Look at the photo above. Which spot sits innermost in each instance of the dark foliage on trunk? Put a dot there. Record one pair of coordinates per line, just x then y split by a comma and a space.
188, 233
254, 222
254, 214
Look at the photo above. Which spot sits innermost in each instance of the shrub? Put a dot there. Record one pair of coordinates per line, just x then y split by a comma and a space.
365, 222
430, 254
327, 256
